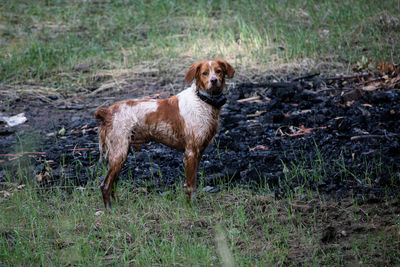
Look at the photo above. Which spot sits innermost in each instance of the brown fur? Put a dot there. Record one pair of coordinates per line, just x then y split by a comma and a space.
168, 113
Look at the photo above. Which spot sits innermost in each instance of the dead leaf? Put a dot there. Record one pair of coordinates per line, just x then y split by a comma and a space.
366, 105
6, 193
388, 68
304, 131
258, 113
109, 257
21, 186
99, 213
285, 168
261, 147
39, 177
372, 87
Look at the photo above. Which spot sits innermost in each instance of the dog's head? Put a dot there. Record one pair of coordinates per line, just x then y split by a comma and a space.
210, 75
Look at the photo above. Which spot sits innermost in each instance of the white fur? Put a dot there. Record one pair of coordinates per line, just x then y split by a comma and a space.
124, 122
195, 113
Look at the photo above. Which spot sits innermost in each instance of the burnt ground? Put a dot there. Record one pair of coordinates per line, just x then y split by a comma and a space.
310, 132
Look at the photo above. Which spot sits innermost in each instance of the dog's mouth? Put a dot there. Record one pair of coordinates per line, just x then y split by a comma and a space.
215, 89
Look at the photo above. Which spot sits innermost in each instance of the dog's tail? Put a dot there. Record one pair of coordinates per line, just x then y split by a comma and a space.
104, 118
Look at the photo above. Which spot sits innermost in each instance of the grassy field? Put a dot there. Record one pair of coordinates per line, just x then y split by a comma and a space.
234, 227
66, 46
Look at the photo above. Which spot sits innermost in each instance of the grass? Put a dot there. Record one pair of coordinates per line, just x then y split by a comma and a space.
69, 44
63, 48
234, 226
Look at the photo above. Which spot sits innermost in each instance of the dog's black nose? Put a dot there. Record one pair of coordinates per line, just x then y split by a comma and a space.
214, 80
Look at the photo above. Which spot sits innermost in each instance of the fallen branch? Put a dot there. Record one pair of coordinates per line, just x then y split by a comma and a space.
349, 77
358, 137
79, 149
22, 153
69, 107
334, 89
250, 99
258, 113
18, 155
306, 76
269, 84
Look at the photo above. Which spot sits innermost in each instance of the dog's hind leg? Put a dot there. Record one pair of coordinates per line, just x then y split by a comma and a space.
116, 159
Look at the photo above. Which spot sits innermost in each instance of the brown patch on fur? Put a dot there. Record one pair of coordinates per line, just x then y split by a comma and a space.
168, 114
193, 72
227, 68
134, 102
202, 76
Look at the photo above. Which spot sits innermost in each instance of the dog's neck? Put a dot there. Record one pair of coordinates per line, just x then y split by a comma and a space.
215, 100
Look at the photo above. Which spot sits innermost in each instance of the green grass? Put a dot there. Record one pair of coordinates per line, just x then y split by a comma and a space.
42, 41
42, 44
235, 226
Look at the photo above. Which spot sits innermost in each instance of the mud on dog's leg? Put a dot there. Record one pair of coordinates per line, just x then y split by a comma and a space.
116, 159
191, 161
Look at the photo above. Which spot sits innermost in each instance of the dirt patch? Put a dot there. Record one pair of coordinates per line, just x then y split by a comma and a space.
315, 228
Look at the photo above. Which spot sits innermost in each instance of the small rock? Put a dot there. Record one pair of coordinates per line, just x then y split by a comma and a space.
81, 67
211, 189
99, 213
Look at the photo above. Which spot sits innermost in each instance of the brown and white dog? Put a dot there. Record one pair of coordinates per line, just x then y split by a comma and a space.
187, 122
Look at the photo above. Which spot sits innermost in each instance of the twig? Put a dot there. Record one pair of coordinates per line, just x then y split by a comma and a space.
250, 99
68, 107
334, 89
371, 81
347, 77
22, 153
62, 186
358, 137
306, 76
269, 84
79, 149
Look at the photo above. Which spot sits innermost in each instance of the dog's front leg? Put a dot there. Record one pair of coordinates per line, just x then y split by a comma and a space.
191, 161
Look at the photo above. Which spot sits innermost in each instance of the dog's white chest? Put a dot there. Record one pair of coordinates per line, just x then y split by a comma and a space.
198, 115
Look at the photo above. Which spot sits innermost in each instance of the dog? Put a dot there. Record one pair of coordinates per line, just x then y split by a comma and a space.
187, 122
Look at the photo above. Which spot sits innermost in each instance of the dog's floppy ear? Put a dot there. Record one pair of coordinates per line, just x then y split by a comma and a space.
191, 73
229, 70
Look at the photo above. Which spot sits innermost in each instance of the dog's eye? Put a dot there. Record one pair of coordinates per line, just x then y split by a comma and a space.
218, 71
205, 73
